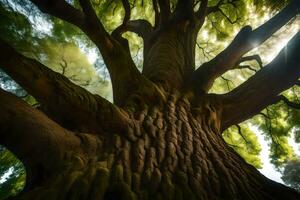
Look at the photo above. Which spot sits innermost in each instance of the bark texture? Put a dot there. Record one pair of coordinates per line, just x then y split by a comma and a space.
162, 137
175, 152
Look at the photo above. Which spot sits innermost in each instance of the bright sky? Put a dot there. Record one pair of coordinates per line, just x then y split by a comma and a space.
268, 169
6, 175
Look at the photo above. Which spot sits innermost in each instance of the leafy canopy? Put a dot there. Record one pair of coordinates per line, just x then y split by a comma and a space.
65, 49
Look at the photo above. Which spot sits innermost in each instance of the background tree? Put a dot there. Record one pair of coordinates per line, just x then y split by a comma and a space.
291, 174
161, 138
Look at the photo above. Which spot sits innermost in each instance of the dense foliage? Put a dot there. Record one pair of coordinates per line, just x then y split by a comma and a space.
65, 49
291, 173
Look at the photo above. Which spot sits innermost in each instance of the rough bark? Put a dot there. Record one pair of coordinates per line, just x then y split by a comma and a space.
162, 137
169, 61
178, 153
68, 104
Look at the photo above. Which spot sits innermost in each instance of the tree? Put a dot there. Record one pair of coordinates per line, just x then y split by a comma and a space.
291, 174
162, 135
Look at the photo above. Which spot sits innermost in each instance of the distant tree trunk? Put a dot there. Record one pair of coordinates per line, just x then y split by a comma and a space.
161, 139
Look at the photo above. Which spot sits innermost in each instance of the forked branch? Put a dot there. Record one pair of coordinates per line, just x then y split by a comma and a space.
141, 27
125, 76
201, 13
263, 88
288, 102
122, 28
250, 58
245, 41
70, 105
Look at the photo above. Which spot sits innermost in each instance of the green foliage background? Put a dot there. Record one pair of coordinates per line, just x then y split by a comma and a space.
65, 49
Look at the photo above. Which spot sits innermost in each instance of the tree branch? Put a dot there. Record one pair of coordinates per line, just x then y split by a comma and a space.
239, 128
249, 58
262, 89
27, 132
122, 28
125, 76
141, 27
68, 104
87, 20
184, 11
156, 12
245, 41
201, 13
215, 8
165, 10
288, 102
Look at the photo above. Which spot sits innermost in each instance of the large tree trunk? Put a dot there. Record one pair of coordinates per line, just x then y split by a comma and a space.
176, 152
161, 139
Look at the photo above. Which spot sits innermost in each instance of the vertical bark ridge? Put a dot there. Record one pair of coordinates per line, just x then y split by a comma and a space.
170, 58
177, 153
39, 143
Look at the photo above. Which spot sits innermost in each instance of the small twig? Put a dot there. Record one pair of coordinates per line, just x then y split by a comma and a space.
239, 128
288, 102
257, 58
227, 82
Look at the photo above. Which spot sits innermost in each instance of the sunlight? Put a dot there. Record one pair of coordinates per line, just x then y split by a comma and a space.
204, 35
280, 44
92, 55
267, 168
4, 177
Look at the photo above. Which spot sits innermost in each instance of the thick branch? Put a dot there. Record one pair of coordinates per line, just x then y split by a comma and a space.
141, 27
89, 12
27, 132
249, 58
165, 10
124, 75
201, 13
185, 11
156, 12
122, 28
262, 89
245, 41
67, 103
87, 20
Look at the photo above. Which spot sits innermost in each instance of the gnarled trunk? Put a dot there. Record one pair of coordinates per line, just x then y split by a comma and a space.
161, 139
175, 152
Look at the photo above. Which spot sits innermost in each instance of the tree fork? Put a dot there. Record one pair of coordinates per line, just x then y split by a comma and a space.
40, 143
68, 104
171, 146
125, 76
177, 155
263, 88
244, 41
